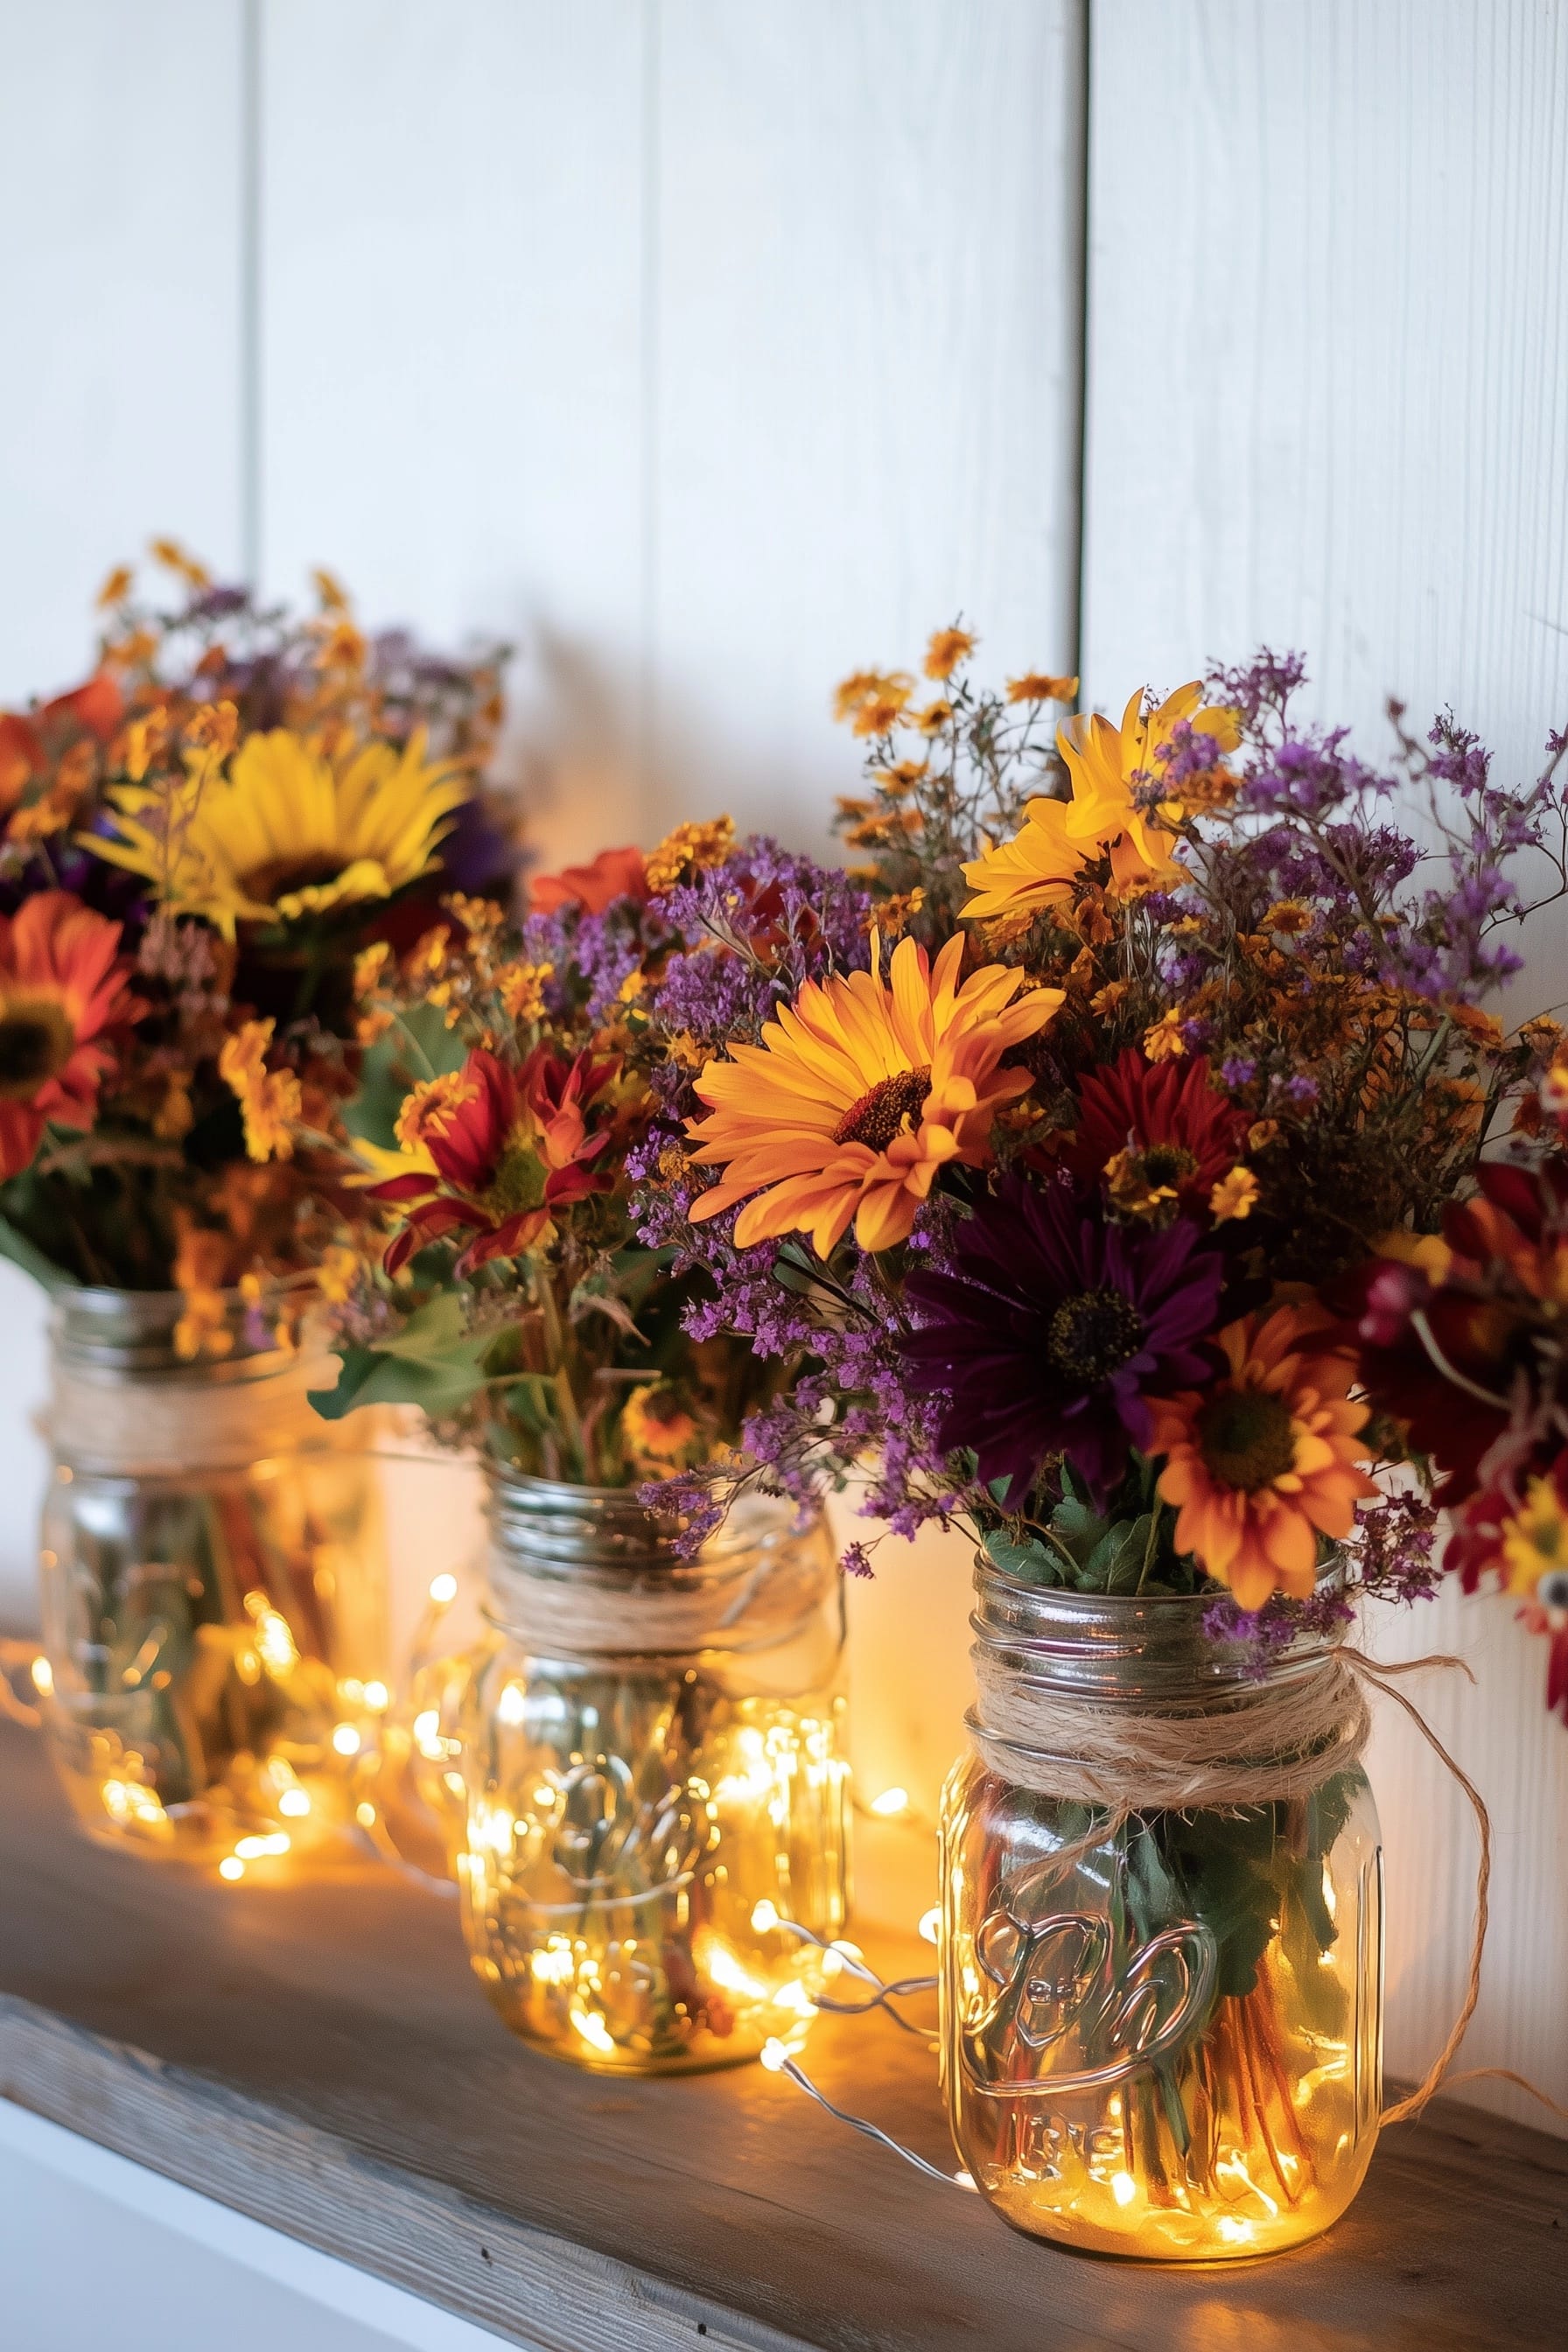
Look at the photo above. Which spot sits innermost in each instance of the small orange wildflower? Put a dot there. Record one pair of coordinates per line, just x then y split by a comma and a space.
270, 1100
698, 845
1234, 1197
947, 649
1163, 1042
1038, 685
863, 685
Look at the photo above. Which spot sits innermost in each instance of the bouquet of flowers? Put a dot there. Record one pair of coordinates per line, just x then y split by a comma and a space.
197, 842
521, 1086
519, 1090
1062, 1187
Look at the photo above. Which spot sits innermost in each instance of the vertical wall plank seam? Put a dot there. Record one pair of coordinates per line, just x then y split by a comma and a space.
648, 454
251, 128
1077, 426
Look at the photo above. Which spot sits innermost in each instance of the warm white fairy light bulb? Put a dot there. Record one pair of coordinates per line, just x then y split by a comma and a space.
444, 1589
891, 1802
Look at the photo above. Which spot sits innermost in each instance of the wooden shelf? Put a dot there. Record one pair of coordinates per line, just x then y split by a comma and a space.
322, 2058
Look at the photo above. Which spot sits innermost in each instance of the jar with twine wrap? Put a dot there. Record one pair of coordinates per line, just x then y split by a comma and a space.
652, 1754
1163, 1929
213, 1585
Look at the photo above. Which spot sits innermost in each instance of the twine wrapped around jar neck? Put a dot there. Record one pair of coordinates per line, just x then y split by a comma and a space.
586, 1573
1261, 1744
123, 1403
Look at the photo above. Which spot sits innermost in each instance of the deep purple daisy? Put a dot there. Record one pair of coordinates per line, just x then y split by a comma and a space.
1052, 1327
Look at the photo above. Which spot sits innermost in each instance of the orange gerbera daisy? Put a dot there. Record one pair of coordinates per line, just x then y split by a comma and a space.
62, 983
860, 1093
1265, 1461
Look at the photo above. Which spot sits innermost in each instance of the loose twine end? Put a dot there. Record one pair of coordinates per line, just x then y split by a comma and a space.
1382, 1677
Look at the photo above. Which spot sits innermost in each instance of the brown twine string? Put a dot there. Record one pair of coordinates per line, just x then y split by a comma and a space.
755, 1606
1259, 1747
139, 1426
1261, 1743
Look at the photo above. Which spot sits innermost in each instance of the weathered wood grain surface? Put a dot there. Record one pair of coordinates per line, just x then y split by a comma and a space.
322, 2060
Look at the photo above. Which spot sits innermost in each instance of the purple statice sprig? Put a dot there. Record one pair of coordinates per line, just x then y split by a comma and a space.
1390, 1558
592, 956
1311, 821
847, 1404
753, 930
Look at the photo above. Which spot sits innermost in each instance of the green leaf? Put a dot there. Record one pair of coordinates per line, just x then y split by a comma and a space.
432, 1363
1029, 1563
14, 1245
1116, 1563
1077, 1525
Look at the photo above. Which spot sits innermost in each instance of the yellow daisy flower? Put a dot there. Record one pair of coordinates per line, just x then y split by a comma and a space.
1107, 764
1037, 868
289, 834
860, 1093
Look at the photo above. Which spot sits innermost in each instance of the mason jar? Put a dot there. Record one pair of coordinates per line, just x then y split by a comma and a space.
212, 1589
654, 1754
1161, 2023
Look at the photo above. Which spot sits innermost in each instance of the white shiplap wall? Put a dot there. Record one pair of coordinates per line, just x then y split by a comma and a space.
1327, 408
122, 404
709, 352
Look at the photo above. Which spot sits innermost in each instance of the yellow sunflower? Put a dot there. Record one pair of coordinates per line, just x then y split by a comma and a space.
860, 1093
1107, 764
289, 832
1040, 865
1037, 868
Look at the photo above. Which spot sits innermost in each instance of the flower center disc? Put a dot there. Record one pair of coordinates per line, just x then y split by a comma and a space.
35, 1040
1165, 1164
1093, 1335
1246, 1439
518, 1182
267, 884
891, 1105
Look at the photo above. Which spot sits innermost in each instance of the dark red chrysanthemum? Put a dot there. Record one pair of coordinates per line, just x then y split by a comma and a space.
1052, 1329
1179, 1134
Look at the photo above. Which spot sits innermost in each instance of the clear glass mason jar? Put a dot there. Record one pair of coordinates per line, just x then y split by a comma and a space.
213, 1582
653, 1750
1168, 2042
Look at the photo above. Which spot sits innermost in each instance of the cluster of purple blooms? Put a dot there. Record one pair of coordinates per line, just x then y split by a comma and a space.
1392, 1558
1322, 838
